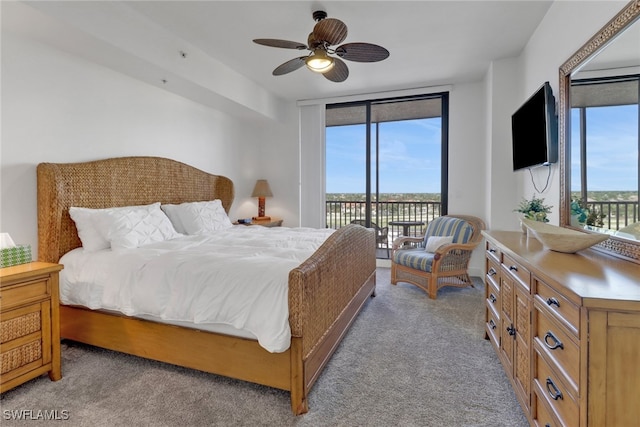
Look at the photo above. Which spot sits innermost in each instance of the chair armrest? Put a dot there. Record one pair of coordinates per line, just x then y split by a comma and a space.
453, 254
398, 242
444, 249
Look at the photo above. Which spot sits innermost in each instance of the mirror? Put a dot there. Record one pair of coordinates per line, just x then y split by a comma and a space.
602, 47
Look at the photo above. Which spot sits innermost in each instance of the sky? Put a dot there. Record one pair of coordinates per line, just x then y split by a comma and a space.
409, 158
612, 148
410, 154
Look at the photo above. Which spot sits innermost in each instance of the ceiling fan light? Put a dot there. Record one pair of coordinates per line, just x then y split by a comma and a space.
319, 62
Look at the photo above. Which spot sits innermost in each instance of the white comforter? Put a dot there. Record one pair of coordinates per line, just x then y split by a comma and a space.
237, 276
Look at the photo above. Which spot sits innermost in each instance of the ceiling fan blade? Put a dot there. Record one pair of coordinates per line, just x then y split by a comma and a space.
286, 44
339, 72
362, 52
289, 66
330, 30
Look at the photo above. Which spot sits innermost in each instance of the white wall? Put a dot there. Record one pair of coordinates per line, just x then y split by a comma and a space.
566, 27
467, 148
501, 83
58, 107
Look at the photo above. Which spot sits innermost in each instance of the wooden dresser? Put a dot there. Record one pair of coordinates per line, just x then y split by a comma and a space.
29, 323
566, 328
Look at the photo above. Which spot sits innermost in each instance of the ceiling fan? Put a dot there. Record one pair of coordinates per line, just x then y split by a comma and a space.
323, 58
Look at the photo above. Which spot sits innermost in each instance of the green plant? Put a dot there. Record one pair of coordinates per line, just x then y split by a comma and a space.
579, 210
534, 209
596, 218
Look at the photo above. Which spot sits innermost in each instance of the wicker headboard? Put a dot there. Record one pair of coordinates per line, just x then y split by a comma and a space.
124, 181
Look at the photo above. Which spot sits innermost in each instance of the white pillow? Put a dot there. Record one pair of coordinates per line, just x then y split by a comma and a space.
128, 229
173, 212
93, 224
202, 217
434, 242
92, 237
89, 235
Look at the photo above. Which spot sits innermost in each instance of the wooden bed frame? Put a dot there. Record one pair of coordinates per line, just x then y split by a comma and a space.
326, 292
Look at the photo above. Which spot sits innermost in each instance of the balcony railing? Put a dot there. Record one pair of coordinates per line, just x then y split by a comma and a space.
615, 214
340, 213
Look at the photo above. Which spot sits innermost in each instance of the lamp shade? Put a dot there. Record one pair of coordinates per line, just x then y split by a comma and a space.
319, 62
262, 189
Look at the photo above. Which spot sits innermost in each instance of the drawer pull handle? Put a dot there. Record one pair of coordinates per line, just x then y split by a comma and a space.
555, 343
547, 425
492, 324
493, 298
513, 268
553, 390
512, 331
552, 301
492, 271
492, 250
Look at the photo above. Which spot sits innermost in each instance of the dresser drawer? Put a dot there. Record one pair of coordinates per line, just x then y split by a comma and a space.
493, 272
551, 388
559, 349
25, 293
493, 251
492, 325
517, 270
493, 296
543, 414
567, 312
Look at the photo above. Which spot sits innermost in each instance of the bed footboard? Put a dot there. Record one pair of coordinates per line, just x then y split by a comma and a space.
326, 292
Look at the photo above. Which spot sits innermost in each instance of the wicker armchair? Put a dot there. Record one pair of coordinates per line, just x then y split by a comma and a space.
382, 233
447, 265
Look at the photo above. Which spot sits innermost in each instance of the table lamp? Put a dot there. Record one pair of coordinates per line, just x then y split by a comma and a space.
261, 190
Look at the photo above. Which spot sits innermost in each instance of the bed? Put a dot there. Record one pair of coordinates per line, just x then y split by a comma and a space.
325, 292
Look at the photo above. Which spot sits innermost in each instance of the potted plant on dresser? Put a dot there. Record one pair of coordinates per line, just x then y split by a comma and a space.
533, 209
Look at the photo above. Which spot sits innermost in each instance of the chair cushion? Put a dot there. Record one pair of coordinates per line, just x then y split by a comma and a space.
460, 229
434, 242
415, 258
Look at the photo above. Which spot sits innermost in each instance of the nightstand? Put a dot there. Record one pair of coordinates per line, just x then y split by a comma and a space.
29, 323
273, 222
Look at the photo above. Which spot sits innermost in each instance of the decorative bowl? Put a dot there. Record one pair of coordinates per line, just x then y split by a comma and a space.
561, 239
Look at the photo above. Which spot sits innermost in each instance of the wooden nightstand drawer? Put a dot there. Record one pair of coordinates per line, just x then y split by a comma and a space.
19, 323
19, 357
25, 293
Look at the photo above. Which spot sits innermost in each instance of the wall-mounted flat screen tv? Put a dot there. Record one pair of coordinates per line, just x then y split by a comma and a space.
534, 129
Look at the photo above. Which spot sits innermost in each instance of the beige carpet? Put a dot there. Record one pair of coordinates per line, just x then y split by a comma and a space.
407, 361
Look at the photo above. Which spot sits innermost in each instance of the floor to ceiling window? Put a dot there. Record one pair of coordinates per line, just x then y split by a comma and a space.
386, 164
605, 135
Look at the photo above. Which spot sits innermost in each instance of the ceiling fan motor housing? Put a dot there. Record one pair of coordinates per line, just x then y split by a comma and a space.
319, 15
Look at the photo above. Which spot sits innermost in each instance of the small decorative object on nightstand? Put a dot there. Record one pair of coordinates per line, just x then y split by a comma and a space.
261, 190
29, 323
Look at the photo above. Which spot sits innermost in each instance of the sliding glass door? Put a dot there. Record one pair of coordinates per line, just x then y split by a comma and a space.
386, 163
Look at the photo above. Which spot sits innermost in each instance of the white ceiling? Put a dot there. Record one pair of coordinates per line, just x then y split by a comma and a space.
430, 42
